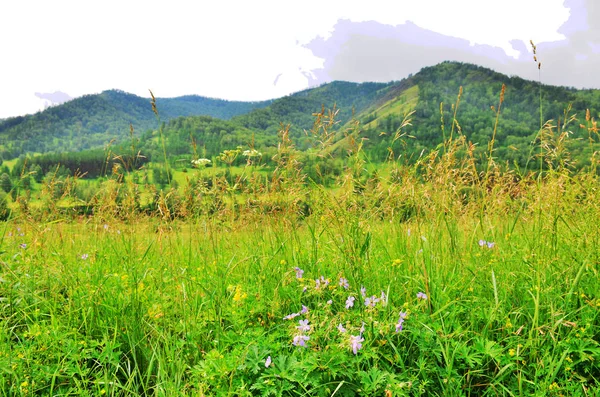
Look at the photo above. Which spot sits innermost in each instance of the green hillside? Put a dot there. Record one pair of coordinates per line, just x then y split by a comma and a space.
92, 121
432, 96
428, 100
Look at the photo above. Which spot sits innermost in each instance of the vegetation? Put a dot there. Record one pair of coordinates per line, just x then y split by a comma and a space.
94, 121
307, 270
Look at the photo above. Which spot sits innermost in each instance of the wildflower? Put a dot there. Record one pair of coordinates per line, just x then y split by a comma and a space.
268, 362
400, 323
303, 327
341, 328
23, 245
105, 226
198, 163
383, 297
356, 343
239, 294
304, 310
344, 283
251, 153
350, 302
321, 282
421, 295
330, 302
291, 316
299, 272
362, 328
489, 244
371, 301
300, 340
363, 291
84, 256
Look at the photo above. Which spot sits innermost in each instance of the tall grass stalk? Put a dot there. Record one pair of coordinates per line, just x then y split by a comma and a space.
161, 135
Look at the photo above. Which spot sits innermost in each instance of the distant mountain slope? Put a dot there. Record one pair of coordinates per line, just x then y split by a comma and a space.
91, 121
298, 109
259, 127
381, 108
94, 120
434, 95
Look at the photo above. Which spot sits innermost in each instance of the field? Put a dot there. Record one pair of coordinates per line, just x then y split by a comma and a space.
451, 276
418, 287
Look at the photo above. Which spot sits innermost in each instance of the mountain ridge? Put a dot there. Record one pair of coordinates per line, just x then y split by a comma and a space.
380, 107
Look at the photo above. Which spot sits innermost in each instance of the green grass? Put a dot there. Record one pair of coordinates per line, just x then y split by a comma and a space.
196, 307
265, 283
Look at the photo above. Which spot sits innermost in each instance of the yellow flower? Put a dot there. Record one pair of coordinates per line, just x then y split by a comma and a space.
239, 295
511, 352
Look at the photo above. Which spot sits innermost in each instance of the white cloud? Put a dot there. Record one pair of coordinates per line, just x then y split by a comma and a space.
227, 49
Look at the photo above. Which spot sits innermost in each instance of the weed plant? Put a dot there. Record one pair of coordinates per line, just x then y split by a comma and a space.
451, 277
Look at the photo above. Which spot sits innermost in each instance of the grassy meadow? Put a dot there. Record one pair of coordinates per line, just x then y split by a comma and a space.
450, 277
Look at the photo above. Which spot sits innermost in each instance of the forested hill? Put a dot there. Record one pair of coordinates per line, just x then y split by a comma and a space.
438, 87
298, 109
92, 121
432, 94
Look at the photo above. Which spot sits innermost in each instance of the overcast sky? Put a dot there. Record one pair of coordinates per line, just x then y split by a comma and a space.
254, 50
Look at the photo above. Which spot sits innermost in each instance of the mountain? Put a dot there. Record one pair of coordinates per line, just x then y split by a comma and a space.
259, 128
93, 121
432, 95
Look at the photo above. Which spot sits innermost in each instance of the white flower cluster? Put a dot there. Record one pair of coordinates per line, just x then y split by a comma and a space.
199, 163
251, 153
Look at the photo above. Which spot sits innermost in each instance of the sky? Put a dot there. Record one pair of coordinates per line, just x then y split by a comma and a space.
254, 50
